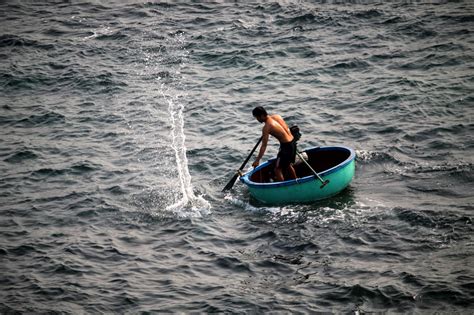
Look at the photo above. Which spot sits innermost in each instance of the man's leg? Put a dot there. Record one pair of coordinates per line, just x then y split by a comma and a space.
279, 174
292, 172
278, 171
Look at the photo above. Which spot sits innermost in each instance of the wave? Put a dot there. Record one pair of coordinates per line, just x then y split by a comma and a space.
428, 62
271, 7
437, 133
61, 77
49, 118
415, 30
76, 169
393, 20
8, 40
21, 156
56, 32
367, 14
118, 35
352, 64
308, 19
434, 293
232, 59
13, 82
461, 18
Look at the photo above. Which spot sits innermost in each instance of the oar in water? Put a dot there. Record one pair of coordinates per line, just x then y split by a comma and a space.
231, 183
324, 183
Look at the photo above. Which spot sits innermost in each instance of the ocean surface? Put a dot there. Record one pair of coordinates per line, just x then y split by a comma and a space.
121, 122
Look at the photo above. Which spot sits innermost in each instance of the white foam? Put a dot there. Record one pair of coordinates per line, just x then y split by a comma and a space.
248, 207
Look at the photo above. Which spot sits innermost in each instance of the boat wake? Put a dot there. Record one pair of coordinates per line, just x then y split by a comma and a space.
248, 207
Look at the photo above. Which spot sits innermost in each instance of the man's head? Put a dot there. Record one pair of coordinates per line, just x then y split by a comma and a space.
259, 113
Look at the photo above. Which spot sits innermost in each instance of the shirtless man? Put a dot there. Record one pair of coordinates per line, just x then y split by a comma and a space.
276, 126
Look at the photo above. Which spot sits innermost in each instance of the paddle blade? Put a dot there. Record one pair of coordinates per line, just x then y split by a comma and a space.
231, 183
324, 184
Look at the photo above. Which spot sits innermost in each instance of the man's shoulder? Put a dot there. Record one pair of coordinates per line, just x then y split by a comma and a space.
272, 121
275, 118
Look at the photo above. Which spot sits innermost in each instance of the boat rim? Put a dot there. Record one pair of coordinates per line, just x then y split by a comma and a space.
246, 177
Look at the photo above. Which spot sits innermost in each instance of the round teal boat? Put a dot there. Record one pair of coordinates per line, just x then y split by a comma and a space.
336, 164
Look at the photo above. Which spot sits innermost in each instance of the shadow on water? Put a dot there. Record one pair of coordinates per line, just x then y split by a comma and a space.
345, 199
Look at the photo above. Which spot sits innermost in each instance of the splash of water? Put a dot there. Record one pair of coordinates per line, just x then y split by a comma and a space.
162, 67
190, 204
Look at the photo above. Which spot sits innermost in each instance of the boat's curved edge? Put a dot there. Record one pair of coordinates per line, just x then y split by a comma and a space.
308, 191
246, 177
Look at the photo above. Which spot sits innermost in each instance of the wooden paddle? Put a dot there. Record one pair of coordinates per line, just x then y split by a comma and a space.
324, 183
231, 183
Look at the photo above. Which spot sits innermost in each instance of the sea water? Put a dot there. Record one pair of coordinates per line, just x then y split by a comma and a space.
121, 122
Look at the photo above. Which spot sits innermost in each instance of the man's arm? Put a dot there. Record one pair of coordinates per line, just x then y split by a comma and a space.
263, 146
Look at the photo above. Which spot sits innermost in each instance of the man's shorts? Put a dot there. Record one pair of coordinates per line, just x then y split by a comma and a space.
286, 155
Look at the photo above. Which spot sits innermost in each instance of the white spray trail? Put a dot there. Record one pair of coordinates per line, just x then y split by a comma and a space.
160, 64
169, 60
190, 204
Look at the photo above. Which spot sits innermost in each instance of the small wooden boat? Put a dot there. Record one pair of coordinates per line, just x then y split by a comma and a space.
334, 165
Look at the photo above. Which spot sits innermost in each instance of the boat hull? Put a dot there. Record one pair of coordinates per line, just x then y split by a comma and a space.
306, 189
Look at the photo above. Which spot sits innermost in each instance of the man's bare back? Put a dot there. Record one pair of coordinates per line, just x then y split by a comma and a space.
278, 128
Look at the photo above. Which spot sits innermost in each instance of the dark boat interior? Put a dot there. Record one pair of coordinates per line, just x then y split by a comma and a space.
319, 159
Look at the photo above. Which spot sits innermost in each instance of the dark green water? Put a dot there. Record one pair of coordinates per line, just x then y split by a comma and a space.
121, 123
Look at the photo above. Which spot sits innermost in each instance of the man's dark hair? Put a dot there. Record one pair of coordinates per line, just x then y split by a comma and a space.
259, 111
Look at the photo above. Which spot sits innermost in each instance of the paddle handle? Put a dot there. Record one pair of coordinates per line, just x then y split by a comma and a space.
251, 153
231, 183
324, 183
